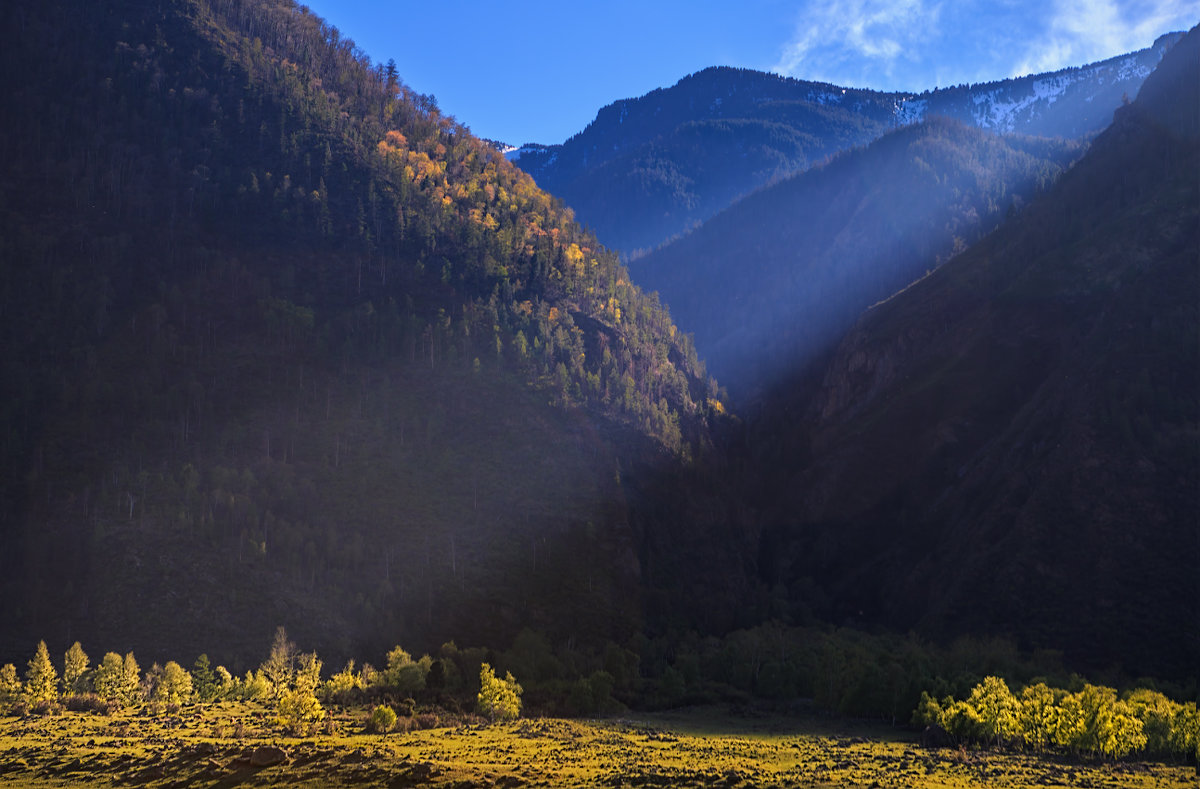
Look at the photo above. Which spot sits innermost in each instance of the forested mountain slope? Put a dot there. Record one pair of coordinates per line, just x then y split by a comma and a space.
771, 282
652, 167
283, 344
648, 168
1010, 445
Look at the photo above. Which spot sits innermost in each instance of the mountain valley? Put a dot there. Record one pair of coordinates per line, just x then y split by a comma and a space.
846, 400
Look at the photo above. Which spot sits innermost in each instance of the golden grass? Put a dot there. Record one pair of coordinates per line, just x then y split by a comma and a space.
211, 746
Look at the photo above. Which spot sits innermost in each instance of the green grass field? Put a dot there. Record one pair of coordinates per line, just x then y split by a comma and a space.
215, 746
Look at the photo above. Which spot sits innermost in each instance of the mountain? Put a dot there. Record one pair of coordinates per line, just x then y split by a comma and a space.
1073, 102
1009, 446
283, 344
650, 168
769, 283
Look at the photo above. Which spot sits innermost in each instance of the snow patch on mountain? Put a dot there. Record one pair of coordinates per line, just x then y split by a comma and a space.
910, 110
513, 154
1001, 109
997, 113
826, 96
1132, 68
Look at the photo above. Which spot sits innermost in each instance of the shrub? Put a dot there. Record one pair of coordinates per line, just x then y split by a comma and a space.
90, 702
343, 687
45, 707
299, 708
382, 720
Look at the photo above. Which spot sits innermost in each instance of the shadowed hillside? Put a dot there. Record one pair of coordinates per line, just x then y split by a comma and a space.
283, 343
1010, 445
770, 283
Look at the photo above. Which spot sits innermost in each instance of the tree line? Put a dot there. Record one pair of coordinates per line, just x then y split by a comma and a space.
288, 681
1094, 719
838, 671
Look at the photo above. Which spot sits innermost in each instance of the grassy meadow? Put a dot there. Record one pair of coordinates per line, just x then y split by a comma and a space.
233, 744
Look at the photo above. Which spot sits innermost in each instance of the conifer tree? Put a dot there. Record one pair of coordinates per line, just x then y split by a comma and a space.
204, 682
130, 679
41, 680
110, 677
10, 686
75, 666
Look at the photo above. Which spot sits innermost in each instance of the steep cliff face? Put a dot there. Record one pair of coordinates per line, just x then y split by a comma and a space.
1009, 445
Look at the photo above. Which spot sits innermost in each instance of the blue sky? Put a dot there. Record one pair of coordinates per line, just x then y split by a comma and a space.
537, 71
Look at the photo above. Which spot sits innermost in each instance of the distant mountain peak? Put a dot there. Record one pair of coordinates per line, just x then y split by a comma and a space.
649, 168
1024, 104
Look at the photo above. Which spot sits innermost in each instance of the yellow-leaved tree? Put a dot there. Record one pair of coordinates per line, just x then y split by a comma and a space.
499, 699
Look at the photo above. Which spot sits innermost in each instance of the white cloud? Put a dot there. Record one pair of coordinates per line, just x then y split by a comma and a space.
1076, 32
917, 44
841, 41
